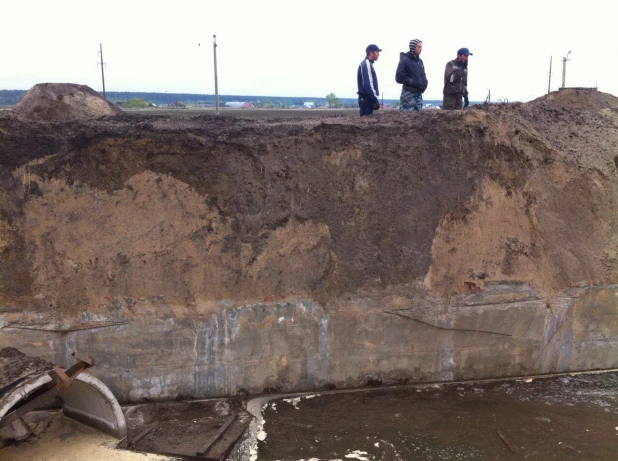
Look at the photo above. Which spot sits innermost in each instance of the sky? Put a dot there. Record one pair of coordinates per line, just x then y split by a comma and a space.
308, 49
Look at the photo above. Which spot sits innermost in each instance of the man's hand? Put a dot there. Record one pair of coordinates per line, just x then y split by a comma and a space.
376, 105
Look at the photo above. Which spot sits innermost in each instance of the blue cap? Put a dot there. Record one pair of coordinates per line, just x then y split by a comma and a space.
372, 48
465, 51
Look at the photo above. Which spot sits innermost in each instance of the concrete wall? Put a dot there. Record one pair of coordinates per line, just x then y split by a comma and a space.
506, 331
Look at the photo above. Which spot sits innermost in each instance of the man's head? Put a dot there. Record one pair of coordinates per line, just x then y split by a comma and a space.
416, 46
462, 54
373, 52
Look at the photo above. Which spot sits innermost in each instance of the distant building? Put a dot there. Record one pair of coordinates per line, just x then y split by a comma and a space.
239, 104
309, 105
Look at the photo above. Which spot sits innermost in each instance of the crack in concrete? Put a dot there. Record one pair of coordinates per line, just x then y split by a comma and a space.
399, 314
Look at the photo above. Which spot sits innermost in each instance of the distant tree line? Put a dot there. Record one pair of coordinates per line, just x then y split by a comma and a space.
12, 97
190, 99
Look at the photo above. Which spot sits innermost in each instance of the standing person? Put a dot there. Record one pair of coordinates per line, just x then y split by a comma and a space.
411, 74
456, 81
367, 81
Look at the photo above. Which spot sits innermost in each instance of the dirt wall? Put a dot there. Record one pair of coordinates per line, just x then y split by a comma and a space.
132, 220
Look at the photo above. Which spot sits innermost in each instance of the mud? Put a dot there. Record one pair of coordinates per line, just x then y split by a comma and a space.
559, 418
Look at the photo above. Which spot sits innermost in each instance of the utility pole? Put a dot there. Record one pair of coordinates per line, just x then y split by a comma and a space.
214, 48
549, 84
564, 61
102, 72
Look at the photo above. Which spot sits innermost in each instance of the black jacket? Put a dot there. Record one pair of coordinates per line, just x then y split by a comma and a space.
411, 73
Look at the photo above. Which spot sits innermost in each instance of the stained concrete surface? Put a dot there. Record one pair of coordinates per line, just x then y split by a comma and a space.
298, 345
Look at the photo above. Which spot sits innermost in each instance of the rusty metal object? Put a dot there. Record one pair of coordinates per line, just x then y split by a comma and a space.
61, 381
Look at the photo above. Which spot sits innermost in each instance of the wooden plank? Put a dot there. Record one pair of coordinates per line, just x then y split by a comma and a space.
508, 444
143, 433
214, 437
225, 443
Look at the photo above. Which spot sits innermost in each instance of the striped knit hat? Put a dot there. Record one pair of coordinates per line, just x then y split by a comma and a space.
413, 43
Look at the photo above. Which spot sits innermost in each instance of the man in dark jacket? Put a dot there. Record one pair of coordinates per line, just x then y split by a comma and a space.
456, 81
367, 81
411, 74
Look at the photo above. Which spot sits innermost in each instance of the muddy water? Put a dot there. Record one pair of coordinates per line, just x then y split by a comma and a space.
560, 418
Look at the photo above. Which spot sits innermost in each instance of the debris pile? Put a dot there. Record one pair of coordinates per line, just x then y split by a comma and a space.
588, 99
14, 365
63, 101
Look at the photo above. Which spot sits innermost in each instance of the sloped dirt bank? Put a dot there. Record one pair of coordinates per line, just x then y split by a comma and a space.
63, 101
194, 242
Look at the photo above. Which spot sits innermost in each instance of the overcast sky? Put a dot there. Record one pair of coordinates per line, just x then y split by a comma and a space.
309, 48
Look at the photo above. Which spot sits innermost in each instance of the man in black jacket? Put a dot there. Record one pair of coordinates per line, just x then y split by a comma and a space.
411, 74
456, 81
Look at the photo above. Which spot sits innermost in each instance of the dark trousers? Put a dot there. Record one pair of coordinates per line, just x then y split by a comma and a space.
452, 101
365, 104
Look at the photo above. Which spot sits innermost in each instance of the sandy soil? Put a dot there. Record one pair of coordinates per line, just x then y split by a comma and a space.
65, 439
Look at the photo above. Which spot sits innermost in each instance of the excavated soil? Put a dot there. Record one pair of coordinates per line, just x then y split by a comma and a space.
98, 214
63, 101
